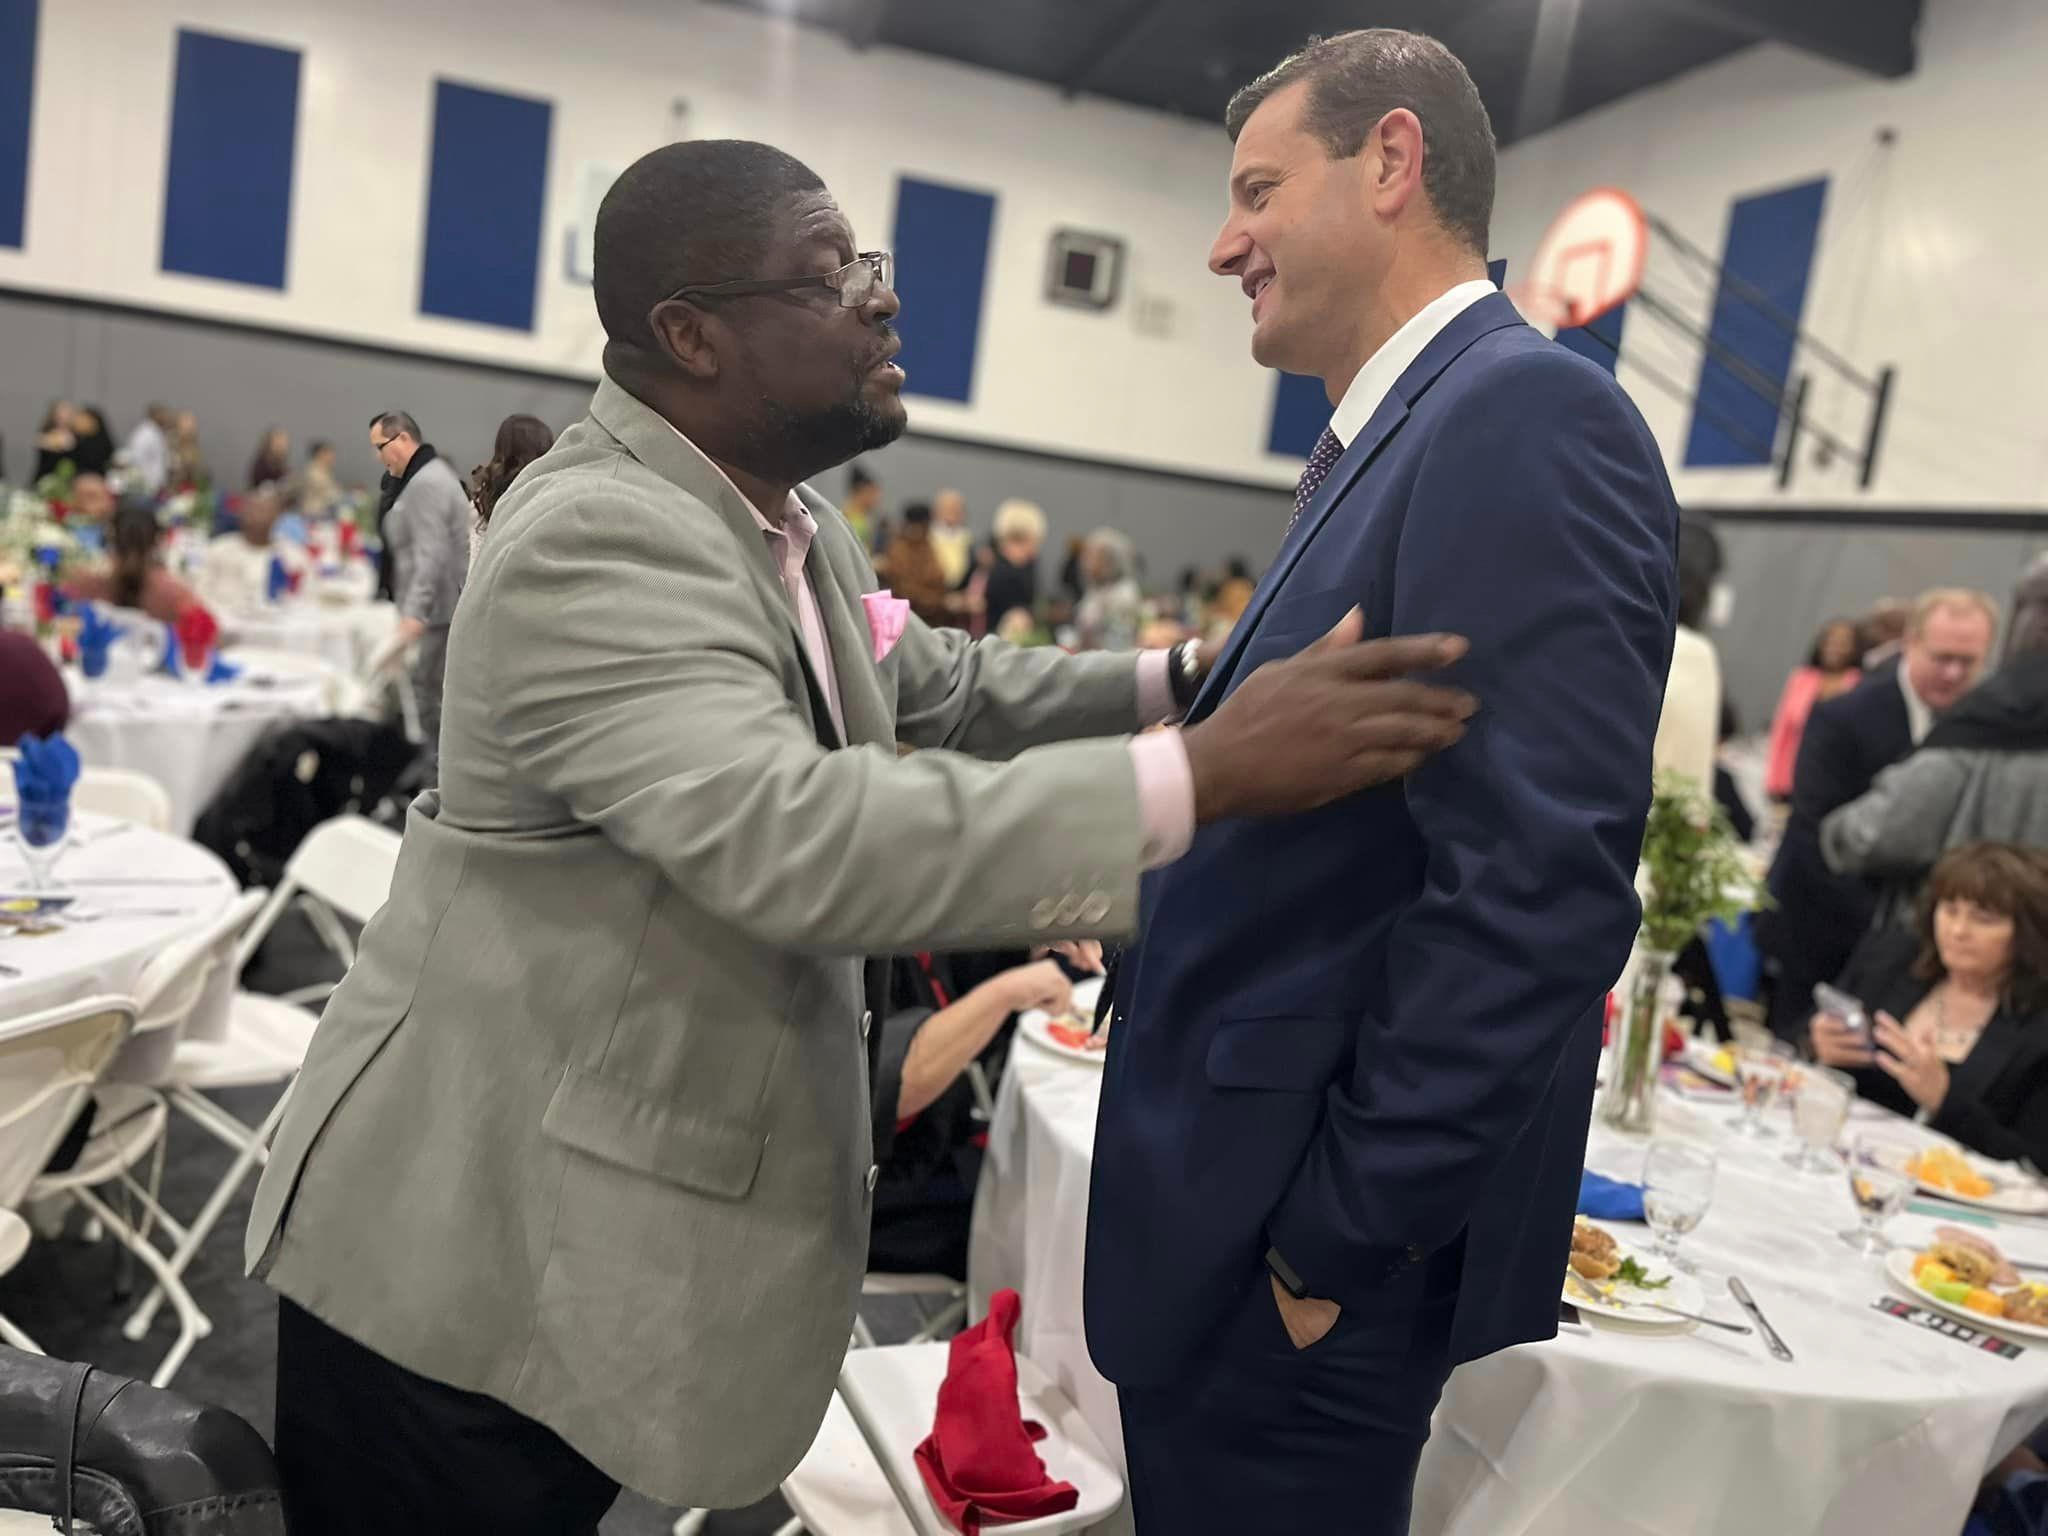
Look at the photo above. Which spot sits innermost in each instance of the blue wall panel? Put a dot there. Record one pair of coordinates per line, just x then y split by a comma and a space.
1600, 341
228, 186
941, 242
1301, 409
17, 107
486, 196
1770, 245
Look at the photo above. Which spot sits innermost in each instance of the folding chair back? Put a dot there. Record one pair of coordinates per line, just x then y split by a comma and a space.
49, 1062
133, 797
348, 864
184, 992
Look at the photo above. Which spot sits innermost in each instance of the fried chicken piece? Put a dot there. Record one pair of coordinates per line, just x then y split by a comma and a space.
1596, 1266
1970, 1264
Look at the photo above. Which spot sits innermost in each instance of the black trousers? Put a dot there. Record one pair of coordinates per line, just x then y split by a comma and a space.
1262, 1437
365, 1447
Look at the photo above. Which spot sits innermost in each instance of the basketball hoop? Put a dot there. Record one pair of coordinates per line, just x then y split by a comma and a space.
1589, 261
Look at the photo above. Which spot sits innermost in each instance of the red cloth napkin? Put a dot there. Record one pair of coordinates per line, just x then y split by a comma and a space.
197, 630
977, 1462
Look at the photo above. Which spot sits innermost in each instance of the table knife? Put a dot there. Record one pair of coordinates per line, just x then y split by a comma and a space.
1748, 1304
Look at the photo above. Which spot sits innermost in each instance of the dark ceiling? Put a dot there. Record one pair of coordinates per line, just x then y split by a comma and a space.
1537, 62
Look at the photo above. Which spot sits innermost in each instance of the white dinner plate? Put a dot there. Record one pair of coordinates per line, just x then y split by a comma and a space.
2012, 1193
1898, 1265
1037, 1028
1614, 1307
1699, 1055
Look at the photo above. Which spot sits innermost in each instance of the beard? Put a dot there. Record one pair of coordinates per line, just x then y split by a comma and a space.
799, 444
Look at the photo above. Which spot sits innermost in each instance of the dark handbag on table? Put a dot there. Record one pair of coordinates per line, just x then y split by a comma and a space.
90, 1449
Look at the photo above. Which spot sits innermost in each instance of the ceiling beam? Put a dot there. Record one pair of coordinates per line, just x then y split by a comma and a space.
1876, 36
865, 22
1108, 41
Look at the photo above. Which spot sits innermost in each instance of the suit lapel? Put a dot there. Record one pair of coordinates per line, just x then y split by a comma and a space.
651, 440
1491, 313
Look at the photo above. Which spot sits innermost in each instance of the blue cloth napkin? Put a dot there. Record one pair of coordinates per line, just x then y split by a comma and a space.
95, 639
45, 770
218, 671
1609, 1199
279, 583
222, 671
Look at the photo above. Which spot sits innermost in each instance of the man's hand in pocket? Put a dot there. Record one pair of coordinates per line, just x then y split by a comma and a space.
1307, 1320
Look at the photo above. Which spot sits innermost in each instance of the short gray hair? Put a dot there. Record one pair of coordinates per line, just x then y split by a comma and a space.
1958, 599
1357, 78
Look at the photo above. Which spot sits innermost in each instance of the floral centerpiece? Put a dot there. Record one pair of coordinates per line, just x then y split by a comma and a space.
1693, 870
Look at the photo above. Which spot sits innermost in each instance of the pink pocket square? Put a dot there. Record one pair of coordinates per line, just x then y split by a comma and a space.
888, 614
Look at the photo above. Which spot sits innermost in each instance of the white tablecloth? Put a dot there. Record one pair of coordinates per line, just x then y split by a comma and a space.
149, 888
188, 738
1877, 1429
344, 635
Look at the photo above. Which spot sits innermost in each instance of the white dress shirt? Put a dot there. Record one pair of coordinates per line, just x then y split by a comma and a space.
1370, 387
1919, 713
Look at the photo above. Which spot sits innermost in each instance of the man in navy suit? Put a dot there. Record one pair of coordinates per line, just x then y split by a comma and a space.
1347, 1092
1819, 916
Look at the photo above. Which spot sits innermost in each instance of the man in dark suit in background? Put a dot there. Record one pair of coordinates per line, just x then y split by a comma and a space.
1347, 1093
1818, 916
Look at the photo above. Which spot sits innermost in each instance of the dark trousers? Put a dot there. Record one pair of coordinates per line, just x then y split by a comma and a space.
1260, 1436
365, 1447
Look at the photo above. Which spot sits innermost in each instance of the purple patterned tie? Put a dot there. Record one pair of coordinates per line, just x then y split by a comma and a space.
1329, 449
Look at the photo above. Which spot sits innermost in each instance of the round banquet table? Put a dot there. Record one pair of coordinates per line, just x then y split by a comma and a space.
345, 635
188, 738
1877, 1427
148, 889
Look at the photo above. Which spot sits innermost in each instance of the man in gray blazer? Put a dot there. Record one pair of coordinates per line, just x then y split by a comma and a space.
426, 539
574, 1187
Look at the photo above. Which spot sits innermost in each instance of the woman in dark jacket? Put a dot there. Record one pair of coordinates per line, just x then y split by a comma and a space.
1961, 1006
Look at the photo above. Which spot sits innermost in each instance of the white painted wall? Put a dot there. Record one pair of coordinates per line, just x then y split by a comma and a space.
1046, 378
1930, 251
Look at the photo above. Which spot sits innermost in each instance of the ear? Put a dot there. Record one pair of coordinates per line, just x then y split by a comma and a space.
682, 335
1396, 145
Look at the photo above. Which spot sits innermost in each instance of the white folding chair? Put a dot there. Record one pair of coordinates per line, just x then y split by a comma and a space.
132, 797
342, 870
49, 1062
891, 1396
344, 866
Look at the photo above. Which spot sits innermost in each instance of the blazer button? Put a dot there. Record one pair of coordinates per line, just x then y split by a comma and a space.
867, 1022
1095, 908
874, 1177
1045, 914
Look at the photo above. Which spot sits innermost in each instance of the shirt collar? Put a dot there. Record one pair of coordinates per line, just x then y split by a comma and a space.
1385, 366
798, 526
1919, 714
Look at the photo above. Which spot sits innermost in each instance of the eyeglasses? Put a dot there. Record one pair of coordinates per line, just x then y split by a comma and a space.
855, 283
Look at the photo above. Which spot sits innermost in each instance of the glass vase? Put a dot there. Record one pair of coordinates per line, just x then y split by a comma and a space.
1629, 1102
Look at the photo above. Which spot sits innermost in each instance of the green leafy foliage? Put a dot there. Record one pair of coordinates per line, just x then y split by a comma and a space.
1693, 866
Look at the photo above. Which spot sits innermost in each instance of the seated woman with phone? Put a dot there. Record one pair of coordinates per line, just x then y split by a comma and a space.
1956, 1032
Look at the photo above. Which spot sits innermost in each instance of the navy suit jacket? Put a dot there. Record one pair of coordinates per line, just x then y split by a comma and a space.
1367, 1034
1819, 915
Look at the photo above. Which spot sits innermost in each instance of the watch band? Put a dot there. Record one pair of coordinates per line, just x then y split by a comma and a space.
1283, 1271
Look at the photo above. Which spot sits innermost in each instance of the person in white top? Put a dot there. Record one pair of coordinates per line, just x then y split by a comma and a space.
236, 575
148, 451
1689, 727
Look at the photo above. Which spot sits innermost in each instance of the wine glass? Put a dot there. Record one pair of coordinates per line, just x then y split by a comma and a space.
1819, 1112
1678, 1186
1760, 1068
40, 827
1881, 1179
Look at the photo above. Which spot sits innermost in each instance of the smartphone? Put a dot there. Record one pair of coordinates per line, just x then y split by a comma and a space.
1839, 1004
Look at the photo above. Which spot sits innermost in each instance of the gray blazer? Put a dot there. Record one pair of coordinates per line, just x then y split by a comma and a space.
427, 534
586, 1127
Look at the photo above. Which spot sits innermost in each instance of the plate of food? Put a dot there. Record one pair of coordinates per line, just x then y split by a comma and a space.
1946, 1170
1712, 1060
1066, 1036
1963, 1274
1607, 1279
